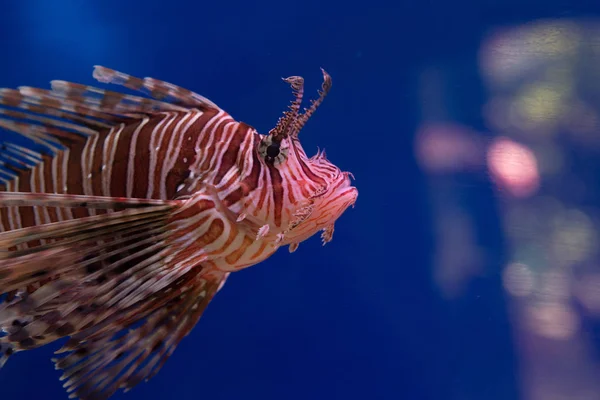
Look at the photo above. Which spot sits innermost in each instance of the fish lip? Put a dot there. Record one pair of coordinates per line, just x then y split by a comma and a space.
355, 192
347, 187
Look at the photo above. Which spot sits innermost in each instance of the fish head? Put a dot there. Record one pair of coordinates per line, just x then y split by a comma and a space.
322, 192
332, 194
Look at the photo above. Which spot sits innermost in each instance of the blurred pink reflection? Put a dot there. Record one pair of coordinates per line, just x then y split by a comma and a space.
513, 167
445, 147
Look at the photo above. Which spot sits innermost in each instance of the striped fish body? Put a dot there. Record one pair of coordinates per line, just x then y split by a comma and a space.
140, 208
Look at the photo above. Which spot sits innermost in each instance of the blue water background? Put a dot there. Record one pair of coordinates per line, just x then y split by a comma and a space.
361, 317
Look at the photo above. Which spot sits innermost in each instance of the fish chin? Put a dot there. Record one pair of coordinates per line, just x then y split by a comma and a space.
346, 197
336, 203
332, 206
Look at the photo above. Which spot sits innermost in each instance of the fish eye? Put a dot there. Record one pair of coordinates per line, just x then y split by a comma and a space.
272, 151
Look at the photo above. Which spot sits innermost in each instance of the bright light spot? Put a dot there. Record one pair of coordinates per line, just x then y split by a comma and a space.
511, 53
513, 167
553, 320
518, 279
542, 103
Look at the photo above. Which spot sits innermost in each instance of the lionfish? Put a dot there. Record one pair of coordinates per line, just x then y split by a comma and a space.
126, 214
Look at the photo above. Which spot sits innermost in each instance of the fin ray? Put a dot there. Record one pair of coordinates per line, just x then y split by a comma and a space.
99, 365
156, 88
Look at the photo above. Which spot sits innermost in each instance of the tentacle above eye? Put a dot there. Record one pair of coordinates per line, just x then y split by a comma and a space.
286, 124
304, 117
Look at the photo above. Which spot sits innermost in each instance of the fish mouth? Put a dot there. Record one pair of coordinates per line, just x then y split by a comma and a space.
347, 190
354, 192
